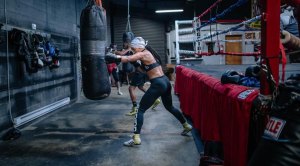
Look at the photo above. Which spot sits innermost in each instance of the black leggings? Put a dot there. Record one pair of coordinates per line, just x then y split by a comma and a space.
159, 87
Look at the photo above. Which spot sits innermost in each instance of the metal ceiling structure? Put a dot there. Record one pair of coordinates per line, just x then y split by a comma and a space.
191, 8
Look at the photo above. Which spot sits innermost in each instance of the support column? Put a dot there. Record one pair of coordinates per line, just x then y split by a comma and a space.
270, 40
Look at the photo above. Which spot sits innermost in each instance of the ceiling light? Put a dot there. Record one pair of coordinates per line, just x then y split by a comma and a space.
169, 11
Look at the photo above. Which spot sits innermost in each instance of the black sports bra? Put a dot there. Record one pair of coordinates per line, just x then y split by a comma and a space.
151, 66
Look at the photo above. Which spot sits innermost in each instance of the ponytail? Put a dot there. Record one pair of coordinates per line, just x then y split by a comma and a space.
154, 53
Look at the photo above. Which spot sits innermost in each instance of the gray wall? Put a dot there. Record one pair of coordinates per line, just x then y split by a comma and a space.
29, 92
151, 30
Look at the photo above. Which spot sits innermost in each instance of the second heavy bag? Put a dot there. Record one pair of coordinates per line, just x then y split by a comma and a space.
280, 144
95, 78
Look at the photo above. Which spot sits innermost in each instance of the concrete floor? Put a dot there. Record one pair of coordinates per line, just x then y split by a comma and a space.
90, 133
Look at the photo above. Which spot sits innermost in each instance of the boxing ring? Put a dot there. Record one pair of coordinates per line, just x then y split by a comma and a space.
222, 112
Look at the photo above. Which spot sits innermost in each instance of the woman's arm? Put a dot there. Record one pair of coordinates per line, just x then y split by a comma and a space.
123, 52
132, 58
110, 58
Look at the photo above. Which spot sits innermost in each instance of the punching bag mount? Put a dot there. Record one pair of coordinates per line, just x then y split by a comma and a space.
128, 35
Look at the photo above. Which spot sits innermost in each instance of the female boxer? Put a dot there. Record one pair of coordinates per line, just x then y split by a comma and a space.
160, 86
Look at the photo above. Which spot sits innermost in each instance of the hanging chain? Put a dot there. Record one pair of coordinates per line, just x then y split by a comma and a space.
271, 80
128, 27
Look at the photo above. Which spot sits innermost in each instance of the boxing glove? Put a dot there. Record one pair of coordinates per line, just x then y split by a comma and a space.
136, 64
111, 58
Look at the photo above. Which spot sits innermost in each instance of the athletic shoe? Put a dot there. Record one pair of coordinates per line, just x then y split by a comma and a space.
136, 140
186, 129
120, 93
133, 111
155, 104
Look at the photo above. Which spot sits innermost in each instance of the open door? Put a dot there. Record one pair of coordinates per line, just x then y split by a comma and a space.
233, 47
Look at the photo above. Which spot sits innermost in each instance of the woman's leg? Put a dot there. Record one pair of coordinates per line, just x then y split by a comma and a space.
131, 90
142, 88
117, 81
146, 102
149, 97
132, 94
167, 101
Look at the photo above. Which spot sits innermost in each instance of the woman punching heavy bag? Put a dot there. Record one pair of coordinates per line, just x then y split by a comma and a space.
95, 78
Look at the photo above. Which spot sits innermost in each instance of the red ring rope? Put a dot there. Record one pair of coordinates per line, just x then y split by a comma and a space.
209, 9
229, 53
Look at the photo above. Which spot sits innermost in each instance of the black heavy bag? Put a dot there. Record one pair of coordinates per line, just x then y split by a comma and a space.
281, 140
95, 79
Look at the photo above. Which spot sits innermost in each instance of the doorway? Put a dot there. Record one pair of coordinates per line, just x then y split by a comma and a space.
233, 47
